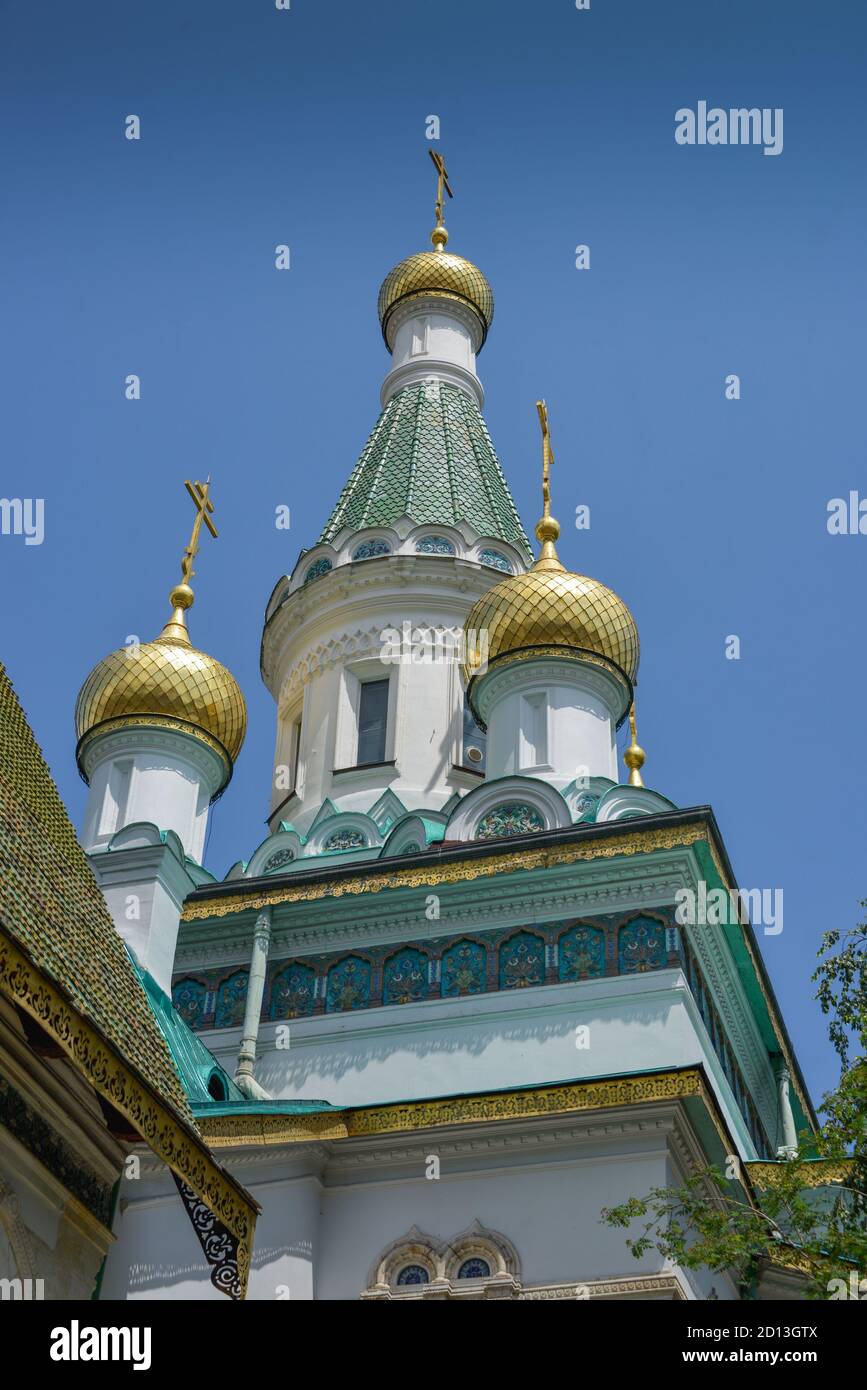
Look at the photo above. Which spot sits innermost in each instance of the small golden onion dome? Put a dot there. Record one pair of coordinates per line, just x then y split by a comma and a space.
440, 275
549, 608
165, 682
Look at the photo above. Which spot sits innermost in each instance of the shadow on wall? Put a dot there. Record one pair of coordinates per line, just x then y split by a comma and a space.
573, 1055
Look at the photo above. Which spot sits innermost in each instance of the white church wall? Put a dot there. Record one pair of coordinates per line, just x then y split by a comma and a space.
552, 720
331, 647
330, 1211
482, 1043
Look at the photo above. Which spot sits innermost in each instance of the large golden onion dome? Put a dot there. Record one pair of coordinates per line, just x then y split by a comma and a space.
440, 275
164, 683
549, 611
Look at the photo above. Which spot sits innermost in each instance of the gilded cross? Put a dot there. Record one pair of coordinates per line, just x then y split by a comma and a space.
547, 456
442, 183
204, 508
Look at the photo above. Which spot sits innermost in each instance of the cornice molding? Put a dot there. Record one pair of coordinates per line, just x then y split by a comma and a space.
564, 1099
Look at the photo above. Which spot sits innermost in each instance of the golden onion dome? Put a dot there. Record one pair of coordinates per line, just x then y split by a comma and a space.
440, 275
550, 612
164, 683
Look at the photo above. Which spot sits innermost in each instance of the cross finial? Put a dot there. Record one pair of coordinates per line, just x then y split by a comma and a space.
547, 529
181, 597
547, 457
204, 510
634, 756
439, 235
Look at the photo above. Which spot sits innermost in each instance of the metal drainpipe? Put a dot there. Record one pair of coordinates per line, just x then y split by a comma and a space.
255, 990
789, 1146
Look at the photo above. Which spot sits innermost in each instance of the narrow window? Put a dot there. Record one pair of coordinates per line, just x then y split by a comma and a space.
419, 337
534, 730
372, 720
116, 797
295, 747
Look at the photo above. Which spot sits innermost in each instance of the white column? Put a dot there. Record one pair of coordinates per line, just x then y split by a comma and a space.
255, 991
789, 1146
433, 339
144, 774
550, 718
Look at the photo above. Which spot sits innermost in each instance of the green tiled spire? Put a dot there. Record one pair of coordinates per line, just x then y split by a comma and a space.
430, 457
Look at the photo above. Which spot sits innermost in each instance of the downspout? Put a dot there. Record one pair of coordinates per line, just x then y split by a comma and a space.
244, 1079
789, 1146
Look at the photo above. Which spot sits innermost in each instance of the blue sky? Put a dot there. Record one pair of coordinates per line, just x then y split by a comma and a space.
308, 127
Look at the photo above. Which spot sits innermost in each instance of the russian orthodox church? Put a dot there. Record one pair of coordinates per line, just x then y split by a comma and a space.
444, 1013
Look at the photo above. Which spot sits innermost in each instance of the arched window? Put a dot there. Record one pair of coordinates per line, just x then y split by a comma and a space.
345, 839
216, 1089
317, 570
474, 1269
435, 545
495, 561
511, 818
412, 1274
278, 860
371, 550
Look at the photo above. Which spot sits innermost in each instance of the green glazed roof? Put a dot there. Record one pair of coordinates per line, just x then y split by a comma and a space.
430, 457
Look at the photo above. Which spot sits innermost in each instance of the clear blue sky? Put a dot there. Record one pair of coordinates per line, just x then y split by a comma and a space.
307, 127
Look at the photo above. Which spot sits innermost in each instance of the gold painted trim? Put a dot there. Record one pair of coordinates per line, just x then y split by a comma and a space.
152, 721
641, 842
636, 842
811, 1172
160, 1128
565, 1099
230, 1131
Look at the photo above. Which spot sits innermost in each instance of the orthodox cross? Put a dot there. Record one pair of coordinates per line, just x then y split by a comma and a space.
204, 507
442, 183
547, 456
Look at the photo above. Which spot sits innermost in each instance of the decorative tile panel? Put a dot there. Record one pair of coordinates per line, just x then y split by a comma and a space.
581, 954
371, 550
293, 992
231, 1001
512, 818
435, 545
405, 977
317, 570
522, 961
348, 985
641, 946
495, 561
464, 969
345, 839
188, 997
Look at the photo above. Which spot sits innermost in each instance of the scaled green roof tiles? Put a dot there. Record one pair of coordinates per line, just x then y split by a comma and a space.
429, 457
51, 906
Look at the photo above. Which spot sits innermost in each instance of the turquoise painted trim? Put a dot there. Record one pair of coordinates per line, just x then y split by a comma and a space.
270, 1107
734, 937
